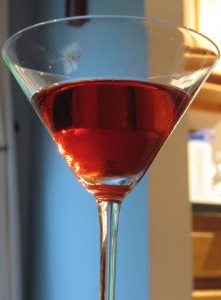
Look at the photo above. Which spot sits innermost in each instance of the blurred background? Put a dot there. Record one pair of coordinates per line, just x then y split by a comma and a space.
49, 243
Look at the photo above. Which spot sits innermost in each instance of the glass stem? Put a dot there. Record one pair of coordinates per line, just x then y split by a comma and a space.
108, 216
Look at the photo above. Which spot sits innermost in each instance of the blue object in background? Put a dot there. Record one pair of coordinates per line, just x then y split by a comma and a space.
116, 7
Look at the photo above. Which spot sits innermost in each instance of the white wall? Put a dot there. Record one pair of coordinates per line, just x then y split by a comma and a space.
170, 212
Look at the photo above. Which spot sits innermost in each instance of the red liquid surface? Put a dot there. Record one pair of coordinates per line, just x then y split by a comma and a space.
109, 132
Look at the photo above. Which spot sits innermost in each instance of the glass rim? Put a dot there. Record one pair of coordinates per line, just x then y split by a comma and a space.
128, 17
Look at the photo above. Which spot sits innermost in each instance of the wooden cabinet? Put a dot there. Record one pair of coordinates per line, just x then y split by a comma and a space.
205, 112
206, 249
209, 98
207, 295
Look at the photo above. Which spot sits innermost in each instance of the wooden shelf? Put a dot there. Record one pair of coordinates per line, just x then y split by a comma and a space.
206, 243
206, 295
209, 98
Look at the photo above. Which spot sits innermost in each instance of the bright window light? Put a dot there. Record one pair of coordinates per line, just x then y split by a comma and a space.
209, 22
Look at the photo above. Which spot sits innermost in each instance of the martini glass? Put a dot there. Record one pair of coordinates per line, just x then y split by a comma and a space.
109, 90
